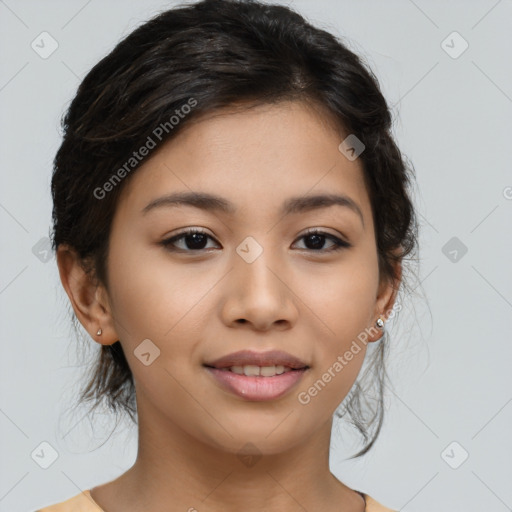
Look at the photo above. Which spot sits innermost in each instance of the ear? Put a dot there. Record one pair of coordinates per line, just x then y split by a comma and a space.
386, 296
89, 299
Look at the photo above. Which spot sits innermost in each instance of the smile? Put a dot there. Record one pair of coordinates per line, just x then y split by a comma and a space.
255, 383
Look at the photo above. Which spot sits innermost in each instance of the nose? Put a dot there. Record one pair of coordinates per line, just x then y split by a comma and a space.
259, 296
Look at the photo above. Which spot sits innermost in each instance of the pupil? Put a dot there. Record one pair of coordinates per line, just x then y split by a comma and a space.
197, 241
318, 241
197, 238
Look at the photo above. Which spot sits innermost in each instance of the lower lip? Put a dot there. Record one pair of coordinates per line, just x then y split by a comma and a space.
257, 388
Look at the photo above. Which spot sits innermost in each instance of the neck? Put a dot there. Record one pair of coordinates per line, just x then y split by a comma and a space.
172, 467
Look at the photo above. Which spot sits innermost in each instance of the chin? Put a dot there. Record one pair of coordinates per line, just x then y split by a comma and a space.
265, 440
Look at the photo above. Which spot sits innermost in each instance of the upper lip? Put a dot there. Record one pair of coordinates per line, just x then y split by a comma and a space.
249, 357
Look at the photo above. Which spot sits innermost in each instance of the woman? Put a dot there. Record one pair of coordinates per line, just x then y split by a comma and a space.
231, 217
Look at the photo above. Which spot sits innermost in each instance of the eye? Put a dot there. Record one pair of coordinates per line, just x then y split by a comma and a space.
316, 240
193, 239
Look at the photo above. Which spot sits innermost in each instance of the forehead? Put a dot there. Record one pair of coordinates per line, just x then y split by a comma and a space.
256, 158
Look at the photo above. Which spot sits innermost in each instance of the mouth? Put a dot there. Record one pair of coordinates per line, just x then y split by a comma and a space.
257, 388
257, 376
250, 370
252, 363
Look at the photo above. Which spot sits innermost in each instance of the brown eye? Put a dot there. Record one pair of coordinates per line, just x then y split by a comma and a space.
193, 240
315, 241
196, 240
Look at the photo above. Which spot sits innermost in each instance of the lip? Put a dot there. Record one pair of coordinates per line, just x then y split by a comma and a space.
250, 357
255, 388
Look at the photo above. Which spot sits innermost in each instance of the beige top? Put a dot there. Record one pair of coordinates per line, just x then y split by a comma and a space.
83, 502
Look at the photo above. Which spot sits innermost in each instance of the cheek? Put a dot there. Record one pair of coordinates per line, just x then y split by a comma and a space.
343, 304
155, 298
343, 297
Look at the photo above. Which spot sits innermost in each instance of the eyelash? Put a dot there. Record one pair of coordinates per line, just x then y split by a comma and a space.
339, 244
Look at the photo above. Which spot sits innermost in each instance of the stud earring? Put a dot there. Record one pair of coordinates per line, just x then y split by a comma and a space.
99, 332
379, 323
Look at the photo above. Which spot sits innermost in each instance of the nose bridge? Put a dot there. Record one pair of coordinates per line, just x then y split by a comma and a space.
258, 293
253, 264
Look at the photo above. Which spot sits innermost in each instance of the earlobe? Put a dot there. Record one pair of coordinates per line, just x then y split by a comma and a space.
86, 296
386, 297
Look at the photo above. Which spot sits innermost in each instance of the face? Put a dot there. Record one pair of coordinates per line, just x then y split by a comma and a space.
253, 279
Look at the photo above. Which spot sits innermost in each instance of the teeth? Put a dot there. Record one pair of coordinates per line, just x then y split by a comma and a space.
251, 370
263, 371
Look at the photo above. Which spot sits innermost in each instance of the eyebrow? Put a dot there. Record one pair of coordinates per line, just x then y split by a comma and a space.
293, 205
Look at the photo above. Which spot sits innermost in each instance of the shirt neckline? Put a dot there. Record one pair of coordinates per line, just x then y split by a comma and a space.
88, 494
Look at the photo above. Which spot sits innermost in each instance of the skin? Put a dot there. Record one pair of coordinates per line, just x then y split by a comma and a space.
198, 306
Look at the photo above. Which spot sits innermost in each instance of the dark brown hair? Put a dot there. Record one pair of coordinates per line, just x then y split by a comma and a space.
219, 53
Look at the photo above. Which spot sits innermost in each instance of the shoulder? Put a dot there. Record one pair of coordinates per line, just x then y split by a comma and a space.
374, 506
82, 502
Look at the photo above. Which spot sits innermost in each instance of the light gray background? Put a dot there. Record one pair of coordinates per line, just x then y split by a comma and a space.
451, 370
